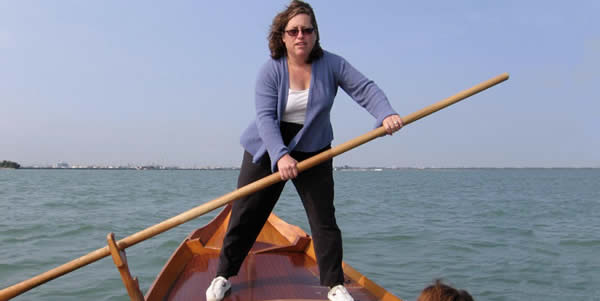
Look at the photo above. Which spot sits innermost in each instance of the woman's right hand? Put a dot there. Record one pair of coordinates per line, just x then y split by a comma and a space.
287, 167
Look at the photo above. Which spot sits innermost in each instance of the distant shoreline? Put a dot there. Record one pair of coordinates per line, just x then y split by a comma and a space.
129, 168
344, 168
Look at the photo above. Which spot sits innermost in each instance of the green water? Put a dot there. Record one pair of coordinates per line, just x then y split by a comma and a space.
502, 234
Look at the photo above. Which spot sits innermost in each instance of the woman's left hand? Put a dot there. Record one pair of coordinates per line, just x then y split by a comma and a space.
392, 123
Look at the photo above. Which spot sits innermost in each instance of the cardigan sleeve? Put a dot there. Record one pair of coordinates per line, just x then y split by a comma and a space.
267, 119
364, 91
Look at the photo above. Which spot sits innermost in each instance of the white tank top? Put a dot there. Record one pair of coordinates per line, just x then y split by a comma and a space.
295, 109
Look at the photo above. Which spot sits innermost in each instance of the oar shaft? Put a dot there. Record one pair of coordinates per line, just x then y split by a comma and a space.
454, 99
380, 131
152, 231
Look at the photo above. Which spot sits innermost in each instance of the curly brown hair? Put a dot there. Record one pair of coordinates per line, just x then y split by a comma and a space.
443, 292
276, 44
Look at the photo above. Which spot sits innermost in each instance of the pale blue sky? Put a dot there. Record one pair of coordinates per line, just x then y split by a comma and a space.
140, 82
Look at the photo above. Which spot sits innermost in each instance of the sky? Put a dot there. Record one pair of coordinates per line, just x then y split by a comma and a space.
172, 82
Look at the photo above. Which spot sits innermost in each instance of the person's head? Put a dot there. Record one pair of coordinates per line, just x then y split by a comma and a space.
295, 32
443, 292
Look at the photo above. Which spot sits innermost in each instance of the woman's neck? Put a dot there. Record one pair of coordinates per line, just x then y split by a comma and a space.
297, 61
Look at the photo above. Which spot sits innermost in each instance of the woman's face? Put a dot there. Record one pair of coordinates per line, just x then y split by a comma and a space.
299, 36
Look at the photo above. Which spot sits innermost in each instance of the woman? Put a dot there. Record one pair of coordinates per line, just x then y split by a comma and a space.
294, 94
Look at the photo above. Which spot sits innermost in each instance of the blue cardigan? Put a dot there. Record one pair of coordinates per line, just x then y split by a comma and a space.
328, 73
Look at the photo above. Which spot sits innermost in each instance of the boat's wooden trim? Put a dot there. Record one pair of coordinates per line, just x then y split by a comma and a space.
170, 272
211, 235
198, 242
371, 286
299, 245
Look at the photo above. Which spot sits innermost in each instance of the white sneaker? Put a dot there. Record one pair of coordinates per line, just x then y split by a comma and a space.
339, 293
219, 287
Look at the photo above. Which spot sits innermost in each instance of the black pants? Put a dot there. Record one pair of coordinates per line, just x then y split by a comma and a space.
249, 214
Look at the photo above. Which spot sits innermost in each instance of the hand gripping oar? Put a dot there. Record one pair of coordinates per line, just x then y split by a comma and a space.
152, 231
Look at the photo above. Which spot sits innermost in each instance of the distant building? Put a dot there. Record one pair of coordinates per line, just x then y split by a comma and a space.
62, 165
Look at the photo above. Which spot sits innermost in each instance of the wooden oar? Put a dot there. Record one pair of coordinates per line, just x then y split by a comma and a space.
152, 231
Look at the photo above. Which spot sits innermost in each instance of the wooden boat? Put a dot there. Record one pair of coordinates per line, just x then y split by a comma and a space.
280, 266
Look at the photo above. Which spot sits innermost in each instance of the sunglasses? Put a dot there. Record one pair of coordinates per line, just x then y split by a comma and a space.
294, 32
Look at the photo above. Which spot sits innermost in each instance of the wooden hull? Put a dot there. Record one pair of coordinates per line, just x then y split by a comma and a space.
280, 266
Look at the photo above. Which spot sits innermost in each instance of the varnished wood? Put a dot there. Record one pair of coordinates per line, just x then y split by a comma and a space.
120, 259
278, 267
21, 287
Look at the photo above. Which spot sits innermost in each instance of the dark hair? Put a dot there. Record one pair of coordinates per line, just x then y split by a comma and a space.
443, 292
276, 44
